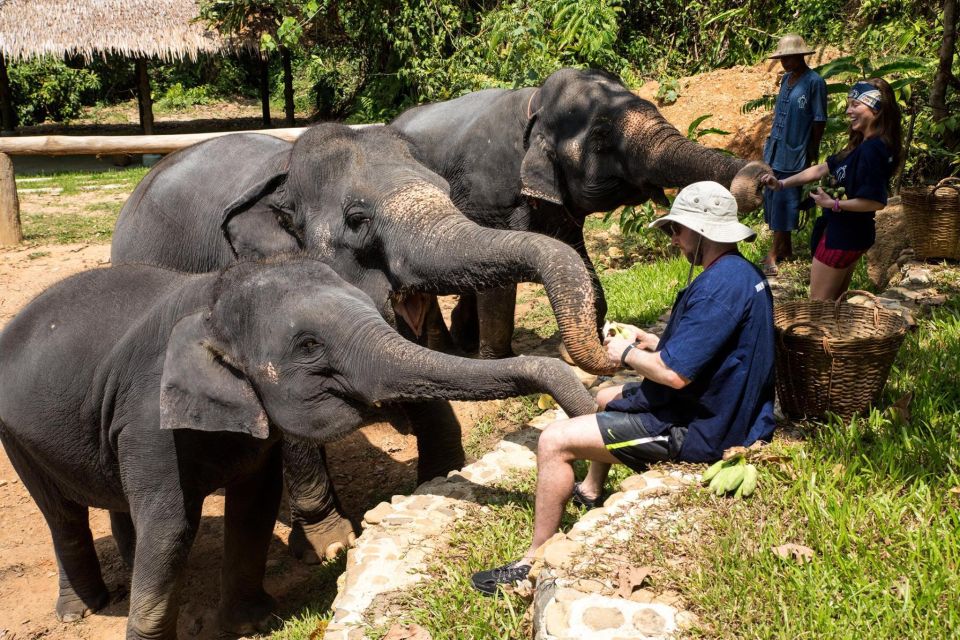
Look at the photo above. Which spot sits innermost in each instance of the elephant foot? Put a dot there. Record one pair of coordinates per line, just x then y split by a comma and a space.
72, 607
248, 615
488, 352
316, 542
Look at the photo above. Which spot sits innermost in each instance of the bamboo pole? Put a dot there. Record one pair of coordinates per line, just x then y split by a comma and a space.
96, 145
10, 230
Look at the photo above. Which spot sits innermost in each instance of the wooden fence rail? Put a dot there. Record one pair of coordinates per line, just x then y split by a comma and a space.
10, 228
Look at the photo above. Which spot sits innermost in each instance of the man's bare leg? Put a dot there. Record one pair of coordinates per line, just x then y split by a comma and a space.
592, 485
561, 443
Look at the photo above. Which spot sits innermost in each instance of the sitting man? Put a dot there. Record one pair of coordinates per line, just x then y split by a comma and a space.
708, 382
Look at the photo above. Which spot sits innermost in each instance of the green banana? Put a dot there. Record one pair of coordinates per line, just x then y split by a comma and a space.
719, 481
711, 471
749, 481
734, 479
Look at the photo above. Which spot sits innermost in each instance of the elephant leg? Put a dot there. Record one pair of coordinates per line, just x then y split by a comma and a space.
82, 590
250, 512
464, 323
319, 530
121, 525
166, 523
439, 443
495, 309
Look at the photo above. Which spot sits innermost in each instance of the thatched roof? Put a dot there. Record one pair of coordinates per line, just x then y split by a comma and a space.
152, 28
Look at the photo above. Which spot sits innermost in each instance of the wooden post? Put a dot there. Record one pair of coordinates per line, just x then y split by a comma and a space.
8, 119
264, 87
10, 230
144, 100
287, 86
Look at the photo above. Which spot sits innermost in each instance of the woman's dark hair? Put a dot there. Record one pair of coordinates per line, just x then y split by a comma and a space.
887, 123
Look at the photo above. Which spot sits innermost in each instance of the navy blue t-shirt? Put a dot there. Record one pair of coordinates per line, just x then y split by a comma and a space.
720, 337
863, 174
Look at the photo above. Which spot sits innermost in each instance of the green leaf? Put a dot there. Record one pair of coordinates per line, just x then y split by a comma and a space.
696, 123
767, 101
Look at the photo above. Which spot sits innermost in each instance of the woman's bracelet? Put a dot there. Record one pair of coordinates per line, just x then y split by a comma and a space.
836, 204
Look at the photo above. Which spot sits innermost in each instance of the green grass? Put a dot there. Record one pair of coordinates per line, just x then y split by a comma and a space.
871, 498
93, 222
73, 182
640, 294
67, 228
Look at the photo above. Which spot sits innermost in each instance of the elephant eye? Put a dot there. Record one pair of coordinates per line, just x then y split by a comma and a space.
308, 344
356, 216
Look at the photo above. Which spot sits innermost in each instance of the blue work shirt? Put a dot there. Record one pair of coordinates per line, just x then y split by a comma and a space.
720, 337
797, 108
864, 173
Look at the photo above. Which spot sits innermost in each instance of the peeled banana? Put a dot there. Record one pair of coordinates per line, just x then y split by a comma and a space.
616, 330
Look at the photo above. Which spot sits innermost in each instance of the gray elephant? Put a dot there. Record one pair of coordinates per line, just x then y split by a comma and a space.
542, 159
141, 390
384, 222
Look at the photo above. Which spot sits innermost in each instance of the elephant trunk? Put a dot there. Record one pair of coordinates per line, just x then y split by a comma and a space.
660, 153
405, 371
467, 257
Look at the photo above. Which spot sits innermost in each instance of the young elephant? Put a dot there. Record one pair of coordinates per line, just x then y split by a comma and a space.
140, 391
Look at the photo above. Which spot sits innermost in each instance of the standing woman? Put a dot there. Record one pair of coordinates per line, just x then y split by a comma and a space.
846, 228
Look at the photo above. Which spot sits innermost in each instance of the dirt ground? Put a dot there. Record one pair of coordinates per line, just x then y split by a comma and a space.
368, 466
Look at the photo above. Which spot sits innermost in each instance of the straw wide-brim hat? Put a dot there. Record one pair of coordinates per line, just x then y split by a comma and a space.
709, 209
791, 45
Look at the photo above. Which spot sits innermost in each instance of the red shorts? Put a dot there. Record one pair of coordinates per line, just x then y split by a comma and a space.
836, 258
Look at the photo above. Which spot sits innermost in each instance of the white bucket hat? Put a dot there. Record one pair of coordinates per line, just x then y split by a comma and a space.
709, 209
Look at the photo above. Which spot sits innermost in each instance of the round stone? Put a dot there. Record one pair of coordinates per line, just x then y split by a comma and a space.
649, 622
600, 618
556, 619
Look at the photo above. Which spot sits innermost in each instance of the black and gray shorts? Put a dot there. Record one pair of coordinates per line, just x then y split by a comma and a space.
625, 436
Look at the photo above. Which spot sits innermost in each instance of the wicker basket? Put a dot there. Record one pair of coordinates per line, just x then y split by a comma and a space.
833, 356
933, 219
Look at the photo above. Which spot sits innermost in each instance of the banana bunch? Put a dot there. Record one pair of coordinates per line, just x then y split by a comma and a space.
733, 475
830, 186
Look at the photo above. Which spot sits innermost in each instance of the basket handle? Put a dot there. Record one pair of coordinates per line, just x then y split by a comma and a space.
859, 292
952, 182
825, 340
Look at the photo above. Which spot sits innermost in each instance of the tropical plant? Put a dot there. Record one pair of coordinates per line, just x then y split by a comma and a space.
48, 89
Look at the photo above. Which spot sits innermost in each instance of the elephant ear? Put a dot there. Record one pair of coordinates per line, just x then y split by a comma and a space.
259, 222
538, 172
200, 390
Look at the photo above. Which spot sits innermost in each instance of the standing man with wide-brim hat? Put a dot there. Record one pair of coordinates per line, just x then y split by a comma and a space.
799, 118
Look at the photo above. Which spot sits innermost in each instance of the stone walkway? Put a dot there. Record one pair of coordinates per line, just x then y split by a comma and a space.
399, 537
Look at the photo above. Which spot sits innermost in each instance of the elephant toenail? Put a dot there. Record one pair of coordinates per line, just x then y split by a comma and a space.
334, 549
